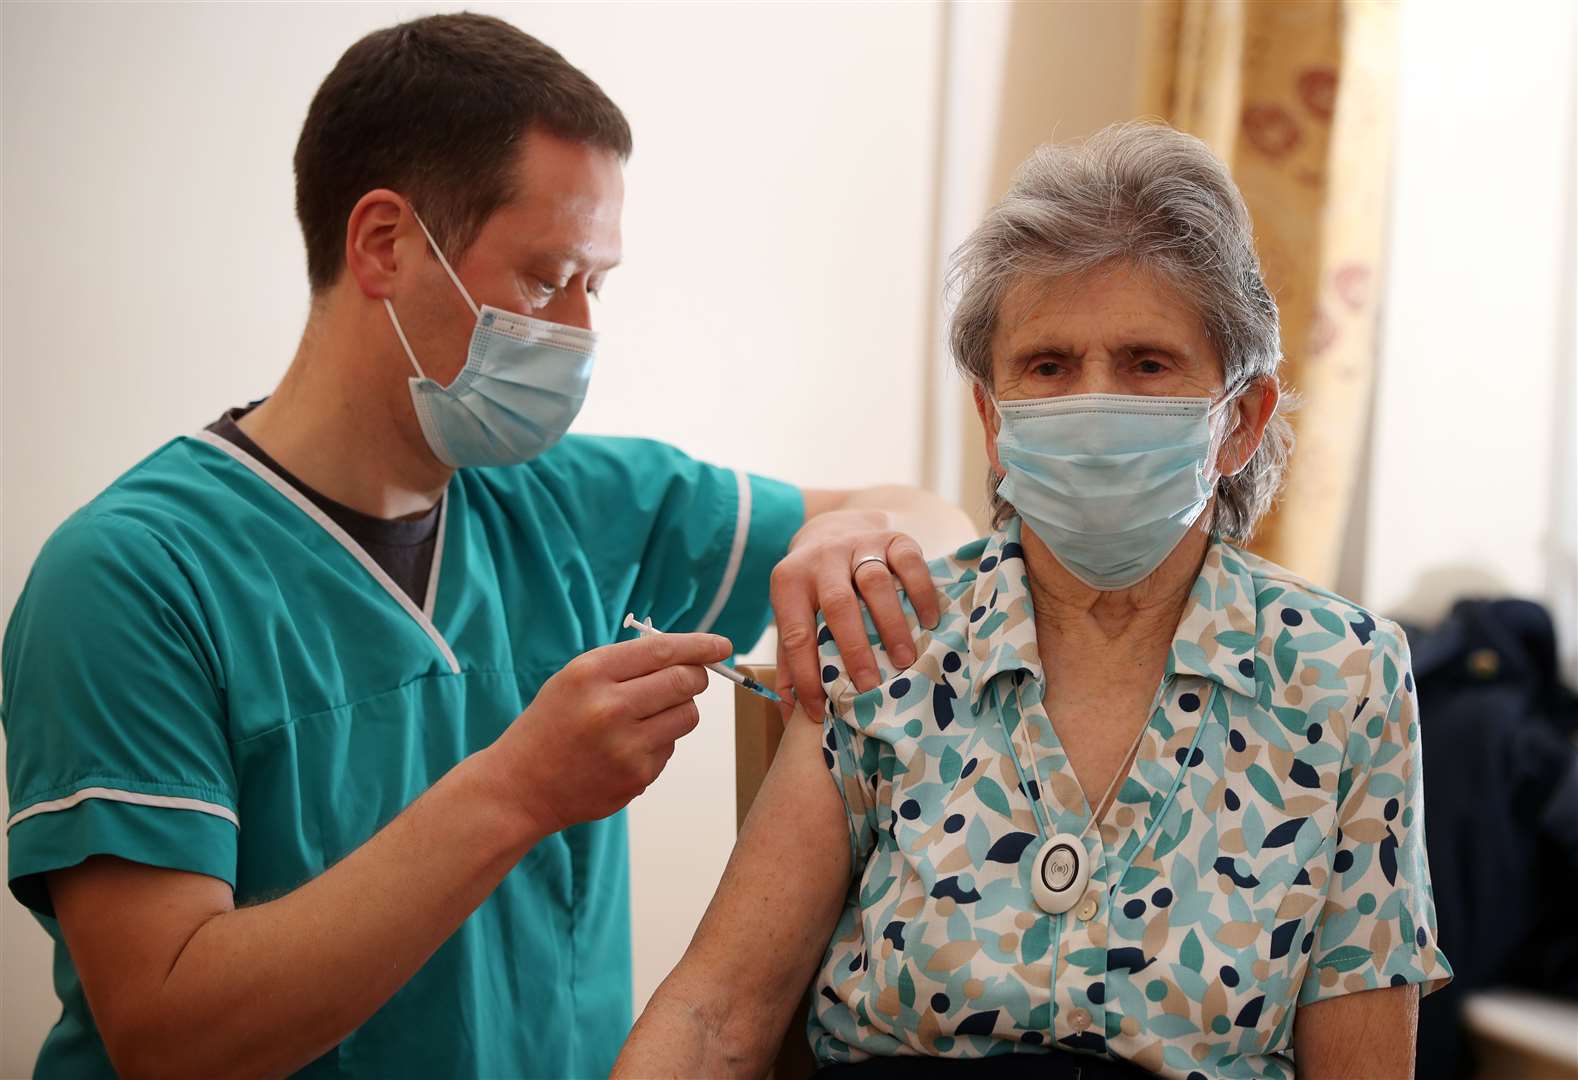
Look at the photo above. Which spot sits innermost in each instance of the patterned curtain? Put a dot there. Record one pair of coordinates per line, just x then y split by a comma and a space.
1297, 97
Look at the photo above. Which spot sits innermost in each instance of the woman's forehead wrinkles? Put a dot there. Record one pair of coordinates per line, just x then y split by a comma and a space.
1030, 309
1115, 311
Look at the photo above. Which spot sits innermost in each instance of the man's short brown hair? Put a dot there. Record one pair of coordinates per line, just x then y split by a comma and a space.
436, 109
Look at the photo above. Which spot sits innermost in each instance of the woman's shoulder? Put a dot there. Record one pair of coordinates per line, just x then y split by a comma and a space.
1286, 601
1310, 642
938, 648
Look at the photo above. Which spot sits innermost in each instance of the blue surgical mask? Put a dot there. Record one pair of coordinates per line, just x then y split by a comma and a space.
522, 386
1109, 482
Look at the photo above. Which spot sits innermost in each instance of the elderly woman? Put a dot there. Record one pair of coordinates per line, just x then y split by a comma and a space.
1144, 803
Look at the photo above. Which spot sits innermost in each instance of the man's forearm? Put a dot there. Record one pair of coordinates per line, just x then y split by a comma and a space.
180, 982
268, 988
936, 524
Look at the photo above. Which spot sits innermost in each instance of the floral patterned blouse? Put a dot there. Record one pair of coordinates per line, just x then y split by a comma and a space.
1265, 850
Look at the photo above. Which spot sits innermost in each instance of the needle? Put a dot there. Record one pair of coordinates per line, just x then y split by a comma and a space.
645, 627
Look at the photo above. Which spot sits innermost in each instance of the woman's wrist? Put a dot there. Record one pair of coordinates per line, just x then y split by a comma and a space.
671, 1038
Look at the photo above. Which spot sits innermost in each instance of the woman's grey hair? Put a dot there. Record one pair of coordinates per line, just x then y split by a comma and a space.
1154, 198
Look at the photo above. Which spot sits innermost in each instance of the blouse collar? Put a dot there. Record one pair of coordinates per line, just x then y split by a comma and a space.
1216, 637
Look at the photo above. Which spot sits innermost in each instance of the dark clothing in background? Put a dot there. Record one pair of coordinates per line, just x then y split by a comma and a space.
403, 549
1501, 812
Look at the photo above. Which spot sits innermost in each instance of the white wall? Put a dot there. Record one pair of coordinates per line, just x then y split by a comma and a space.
1472, 479
782, 248
773, 301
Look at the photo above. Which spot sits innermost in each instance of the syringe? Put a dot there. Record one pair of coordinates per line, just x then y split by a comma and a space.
645, 627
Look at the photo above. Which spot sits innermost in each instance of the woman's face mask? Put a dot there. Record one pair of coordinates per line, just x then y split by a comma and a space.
1111, 483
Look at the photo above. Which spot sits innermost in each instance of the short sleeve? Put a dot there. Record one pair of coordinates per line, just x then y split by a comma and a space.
1378, 924
690, 545
851, 759
113, 711
852, 756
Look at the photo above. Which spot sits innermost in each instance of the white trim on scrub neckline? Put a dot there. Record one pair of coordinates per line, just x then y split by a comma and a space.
438, 560
731, 570
301, 502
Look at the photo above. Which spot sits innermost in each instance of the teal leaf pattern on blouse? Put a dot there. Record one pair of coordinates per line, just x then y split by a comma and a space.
1265, 850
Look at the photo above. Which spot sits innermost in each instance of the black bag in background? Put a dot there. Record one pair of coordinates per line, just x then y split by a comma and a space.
1501, 812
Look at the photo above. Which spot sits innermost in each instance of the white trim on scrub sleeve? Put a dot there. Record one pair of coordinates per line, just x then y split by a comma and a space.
136, 798
731, 570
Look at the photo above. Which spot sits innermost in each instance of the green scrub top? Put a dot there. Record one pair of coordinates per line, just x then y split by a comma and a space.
205, 673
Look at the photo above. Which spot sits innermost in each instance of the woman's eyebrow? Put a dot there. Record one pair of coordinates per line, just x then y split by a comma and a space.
1044, 348
1063, 351
1146, 346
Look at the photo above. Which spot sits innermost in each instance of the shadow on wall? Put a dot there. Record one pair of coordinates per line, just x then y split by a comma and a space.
1437, 588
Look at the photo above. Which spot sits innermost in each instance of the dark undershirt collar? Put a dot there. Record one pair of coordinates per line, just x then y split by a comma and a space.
365, 529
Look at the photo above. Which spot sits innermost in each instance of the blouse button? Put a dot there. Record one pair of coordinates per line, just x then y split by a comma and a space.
1079, 1019
1087, 910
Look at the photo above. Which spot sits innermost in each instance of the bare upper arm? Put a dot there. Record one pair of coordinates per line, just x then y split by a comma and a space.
779, 899
125, 924
1370, 1033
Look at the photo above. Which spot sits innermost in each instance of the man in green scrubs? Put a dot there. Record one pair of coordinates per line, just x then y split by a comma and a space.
318, 736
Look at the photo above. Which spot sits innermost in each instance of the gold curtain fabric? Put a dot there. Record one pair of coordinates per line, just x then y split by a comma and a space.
1297, 97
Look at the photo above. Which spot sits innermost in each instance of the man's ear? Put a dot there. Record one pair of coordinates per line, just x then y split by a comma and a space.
989, 424
379, 234
1250, 412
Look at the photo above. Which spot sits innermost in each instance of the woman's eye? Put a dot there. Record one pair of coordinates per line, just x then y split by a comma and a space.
1047, 369
1150, 367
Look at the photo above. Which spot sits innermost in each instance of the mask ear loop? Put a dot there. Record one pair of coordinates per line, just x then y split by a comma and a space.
998, 473
404, 344
470, 303
1228, 398
464, 295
